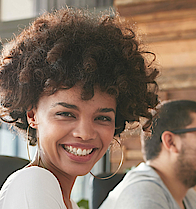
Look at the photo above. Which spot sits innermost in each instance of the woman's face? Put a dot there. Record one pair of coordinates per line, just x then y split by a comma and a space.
73, 133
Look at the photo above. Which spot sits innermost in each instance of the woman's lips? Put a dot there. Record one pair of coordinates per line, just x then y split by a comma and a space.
77, 151
79, 154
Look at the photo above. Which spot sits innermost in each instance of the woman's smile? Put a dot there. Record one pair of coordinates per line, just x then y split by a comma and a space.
79, 154
77, 151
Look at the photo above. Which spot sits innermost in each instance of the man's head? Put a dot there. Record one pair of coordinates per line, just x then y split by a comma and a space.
173, 135
172, 115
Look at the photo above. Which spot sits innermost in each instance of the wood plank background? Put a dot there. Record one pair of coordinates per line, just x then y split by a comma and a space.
168, 28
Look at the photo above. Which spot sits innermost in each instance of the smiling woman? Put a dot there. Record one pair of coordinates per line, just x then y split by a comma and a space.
70, 81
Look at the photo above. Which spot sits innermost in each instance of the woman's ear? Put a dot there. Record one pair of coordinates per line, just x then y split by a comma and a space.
31, 118
169, 141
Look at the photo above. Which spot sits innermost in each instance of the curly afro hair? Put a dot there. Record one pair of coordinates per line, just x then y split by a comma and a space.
71, 46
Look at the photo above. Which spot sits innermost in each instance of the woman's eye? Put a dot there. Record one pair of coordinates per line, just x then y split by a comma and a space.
103, 118
65, 114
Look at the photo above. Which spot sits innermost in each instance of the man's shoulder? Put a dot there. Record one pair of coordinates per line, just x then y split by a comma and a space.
190, 198
139, 187
139, 191
142, 172
143, 178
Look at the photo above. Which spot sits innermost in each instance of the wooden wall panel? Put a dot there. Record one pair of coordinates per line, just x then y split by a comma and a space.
140, 7
168, 27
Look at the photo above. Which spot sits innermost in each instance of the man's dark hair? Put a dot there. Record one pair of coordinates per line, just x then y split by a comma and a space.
171, 116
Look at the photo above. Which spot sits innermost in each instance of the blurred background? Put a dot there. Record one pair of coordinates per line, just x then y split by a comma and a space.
167, 27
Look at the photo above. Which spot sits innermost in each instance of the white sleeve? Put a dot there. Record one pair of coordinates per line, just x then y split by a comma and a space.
32, 188
142, 195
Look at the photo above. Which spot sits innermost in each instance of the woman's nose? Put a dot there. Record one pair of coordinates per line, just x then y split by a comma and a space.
85, 131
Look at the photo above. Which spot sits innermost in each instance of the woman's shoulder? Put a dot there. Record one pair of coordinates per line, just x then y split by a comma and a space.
32, 183
35, 171
32, 176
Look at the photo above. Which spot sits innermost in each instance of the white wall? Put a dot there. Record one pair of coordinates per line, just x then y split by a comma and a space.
17, 9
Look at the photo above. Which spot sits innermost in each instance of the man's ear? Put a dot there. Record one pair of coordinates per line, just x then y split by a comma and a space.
31, 118
169, 141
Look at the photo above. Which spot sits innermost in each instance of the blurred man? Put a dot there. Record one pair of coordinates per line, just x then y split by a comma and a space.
166, 179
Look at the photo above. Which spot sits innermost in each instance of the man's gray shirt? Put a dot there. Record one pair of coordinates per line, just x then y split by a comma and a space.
142, 188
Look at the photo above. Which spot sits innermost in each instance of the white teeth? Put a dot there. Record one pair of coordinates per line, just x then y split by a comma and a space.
84, 152
78, 151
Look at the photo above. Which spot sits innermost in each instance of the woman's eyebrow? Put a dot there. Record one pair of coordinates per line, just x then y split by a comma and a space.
107, 110
64, 104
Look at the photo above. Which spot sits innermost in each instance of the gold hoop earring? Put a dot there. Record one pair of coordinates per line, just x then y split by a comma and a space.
28, 152
119, 166
38, 153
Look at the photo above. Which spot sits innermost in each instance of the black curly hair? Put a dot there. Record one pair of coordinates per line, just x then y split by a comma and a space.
71, 46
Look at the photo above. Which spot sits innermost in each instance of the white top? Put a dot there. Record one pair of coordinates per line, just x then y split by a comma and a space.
142, 188
32, 188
